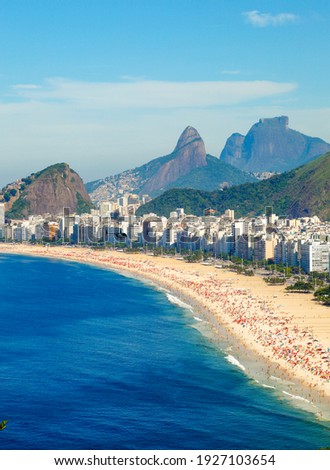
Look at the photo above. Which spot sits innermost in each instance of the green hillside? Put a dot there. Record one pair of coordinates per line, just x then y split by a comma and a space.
304, 191
188, 166
212, 176
47, 191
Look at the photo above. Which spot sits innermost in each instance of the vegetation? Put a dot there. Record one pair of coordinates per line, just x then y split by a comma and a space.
248, 272
210, 175
300, 286
133, 250
318, 278
274, 280
50, 170
303, 191
3, 424
194, 257
27, 180
158, 251
82, 205
323, 295
242, 270
279, 268
20, 206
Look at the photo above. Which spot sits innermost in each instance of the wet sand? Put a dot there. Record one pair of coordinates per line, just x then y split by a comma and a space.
280, 335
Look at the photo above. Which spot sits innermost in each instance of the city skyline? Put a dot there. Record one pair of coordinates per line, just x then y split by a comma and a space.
109, 86
297, 242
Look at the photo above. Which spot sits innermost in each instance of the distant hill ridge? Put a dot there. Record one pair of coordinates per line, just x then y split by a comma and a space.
270, 145
47, 191
187, 165
302, 192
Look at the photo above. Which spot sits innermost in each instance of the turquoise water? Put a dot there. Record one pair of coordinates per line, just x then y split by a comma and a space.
91, 359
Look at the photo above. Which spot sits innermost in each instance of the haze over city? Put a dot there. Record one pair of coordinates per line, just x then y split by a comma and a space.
109, 85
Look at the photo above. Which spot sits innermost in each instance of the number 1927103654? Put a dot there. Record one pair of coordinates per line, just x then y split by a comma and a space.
238, 459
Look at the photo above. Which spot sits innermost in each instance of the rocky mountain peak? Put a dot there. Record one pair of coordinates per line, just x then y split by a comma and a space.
188, 154
280, 121
187, 166
271, 146
49, 191
188, 136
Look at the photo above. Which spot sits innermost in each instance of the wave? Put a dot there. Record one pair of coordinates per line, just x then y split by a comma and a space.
295, 397
176, 301
272, 377
198, 319
268, 386
234, 361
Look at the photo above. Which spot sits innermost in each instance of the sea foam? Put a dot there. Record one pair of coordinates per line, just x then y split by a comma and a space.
268, 386
295, 397
175, 300
234, 361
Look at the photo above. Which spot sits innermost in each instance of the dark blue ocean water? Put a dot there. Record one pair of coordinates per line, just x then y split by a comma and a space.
94, 360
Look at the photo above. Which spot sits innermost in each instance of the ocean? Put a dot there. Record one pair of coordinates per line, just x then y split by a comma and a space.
91, 359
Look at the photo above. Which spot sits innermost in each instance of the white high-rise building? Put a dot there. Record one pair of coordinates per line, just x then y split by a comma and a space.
2, 215
105, 208
230, 214
315, 256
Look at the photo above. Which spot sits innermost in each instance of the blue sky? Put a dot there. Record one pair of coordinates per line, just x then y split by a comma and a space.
107, 85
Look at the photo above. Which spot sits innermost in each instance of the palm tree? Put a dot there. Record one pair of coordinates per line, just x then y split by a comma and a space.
3, 424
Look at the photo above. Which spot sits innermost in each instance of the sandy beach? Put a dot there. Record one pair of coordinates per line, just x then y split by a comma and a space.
287, 336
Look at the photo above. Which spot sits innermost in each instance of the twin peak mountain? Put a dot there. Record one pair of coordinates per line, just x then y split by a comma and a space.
188, 154
157, 175
269, 147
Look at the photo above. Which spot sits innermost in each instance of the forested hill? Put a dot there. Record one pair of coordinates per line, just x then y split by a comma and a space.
304, 191
47, 191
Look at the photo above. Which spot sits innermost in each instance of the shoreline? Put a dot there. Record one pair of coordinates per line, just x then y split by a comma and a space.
277, 336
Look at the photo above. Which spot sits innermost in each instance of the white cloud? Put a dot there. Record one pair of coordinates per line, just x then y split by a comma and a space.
101, 143
104, 128
262, 20
148, 94
27, 86
231, 72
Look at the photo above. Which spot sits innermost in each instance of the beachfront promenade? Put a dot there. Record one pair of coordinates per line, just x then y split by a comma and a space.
290, 333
